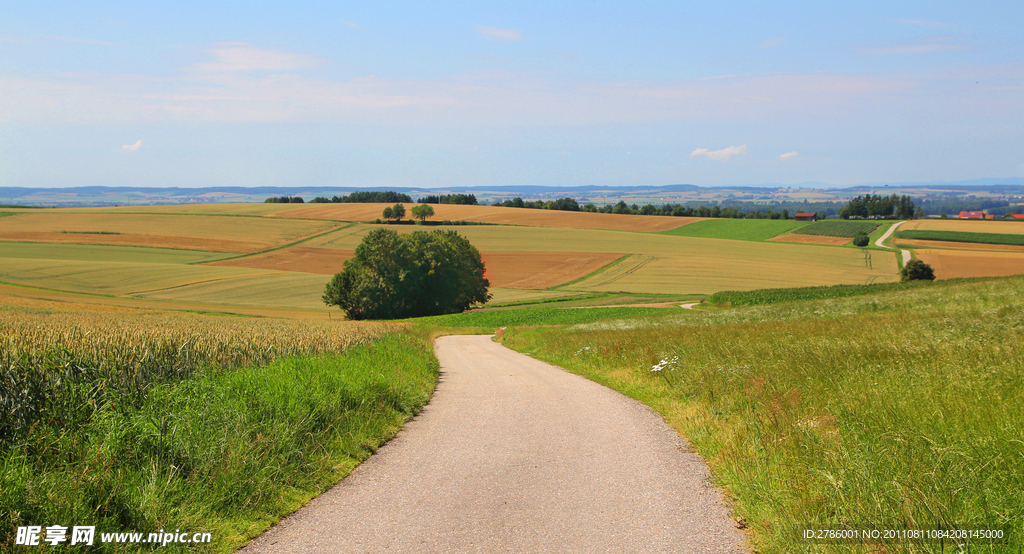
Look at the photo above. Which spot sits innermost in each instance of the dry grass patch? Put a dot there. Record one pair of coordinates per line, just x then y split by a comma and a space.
323, 261
499, 215
541, 270
812, 239
965, 225
949, 264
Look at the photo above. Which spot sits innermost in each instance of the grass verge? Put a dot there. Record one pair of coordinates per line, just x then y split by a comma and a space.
773, 296
892, 410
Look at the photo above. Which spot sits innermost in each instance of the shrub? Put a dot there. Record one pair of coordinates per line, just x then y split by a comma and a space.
860, 239
916, 270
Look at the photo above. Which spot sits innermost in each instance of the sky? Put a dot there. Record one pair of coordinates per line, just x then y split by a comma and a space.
557, 93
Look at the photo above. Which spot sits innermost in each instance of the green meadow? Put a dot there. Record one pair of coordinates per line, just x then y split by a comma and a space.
737, 229
892, 408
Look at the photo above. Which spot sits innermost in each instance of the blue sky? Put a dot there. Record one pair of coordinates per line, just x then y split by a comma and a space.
546, 93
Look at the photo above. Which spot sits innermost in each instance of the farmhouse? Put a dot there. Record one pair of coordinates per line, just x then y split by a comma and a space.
1016, 216
801, 216
972, 215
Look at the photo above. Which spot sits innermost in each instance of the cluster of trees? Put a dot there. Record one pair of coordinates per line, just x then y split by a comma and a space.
418, 274
367, 197
564, 204
900, 207
916, 270
466, 199
397, 212
284, 200
678, 210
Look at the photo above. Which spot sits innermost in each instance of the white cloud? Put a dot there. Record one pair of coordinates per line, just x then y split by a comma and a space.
237, 57
132, 147
789, 155
494, 33
719, 155
353, 25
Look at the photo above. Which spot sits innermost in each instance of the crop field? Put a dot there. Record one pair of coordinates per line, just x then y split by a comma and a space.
138, 419
737, 229
965, 225
958, 245
541, 270
676, 265
959, 236
949, 264
97, 253
846, 229
812, 239
191, 283
322, 261
498, 215
221, 234
899, 407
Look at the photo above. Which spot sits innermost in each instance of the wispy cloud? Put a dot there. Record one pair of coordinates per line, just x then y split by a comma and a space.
235, 57
78, 40
932, 24
353, 25
772, 42
931, 45
719, 155
132, 147
789, 155
494, 33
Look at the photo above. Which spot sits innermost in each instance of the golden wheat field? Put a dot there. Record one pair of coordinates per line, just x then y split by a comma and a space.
949, 263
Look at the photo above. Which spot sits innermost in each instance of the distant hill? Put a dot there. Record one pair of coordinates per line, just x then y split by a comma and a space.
1008, 189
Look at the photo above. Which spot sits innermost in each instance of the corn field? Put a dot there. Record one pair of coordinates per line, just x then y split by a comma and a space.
61, 363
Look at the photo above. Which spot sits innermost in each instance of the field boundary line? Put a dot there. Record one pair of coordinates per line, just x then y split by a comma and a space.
623, 269
344, 225
594, 273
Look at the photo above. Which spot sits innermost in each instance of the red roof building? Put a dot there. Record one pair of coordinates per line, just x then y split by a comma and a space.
1017, 216
800, 216
972, 215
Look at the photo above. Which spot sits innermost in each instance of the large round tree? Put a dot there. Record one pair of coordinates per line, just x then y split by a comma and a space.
394, 276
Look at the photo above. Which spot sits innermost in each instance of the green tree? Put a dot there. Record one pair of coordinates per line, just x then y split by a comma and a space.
388, 214
422, 212
916, 270
396, 276
398, 210
860, 239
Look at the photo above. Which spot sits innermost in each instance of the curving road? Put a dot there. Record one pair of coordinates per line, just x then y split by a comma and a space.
515, 455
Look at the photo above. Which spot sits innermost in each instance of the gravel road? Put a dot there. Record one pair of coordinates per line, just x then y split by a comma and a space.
515, 455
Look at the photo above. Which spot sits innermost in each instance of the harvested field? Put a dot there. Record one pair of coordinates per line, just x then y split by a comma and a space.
100, 253
812, 239
191, 232
687, 264
949, 264
152, 241
499, 215
965, 225
959, 245
541, 270
187, 283
323, 261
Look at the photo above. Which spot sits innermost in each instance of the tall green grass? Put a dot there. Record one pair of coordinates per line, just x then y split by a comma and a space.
901, 408
222, 432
